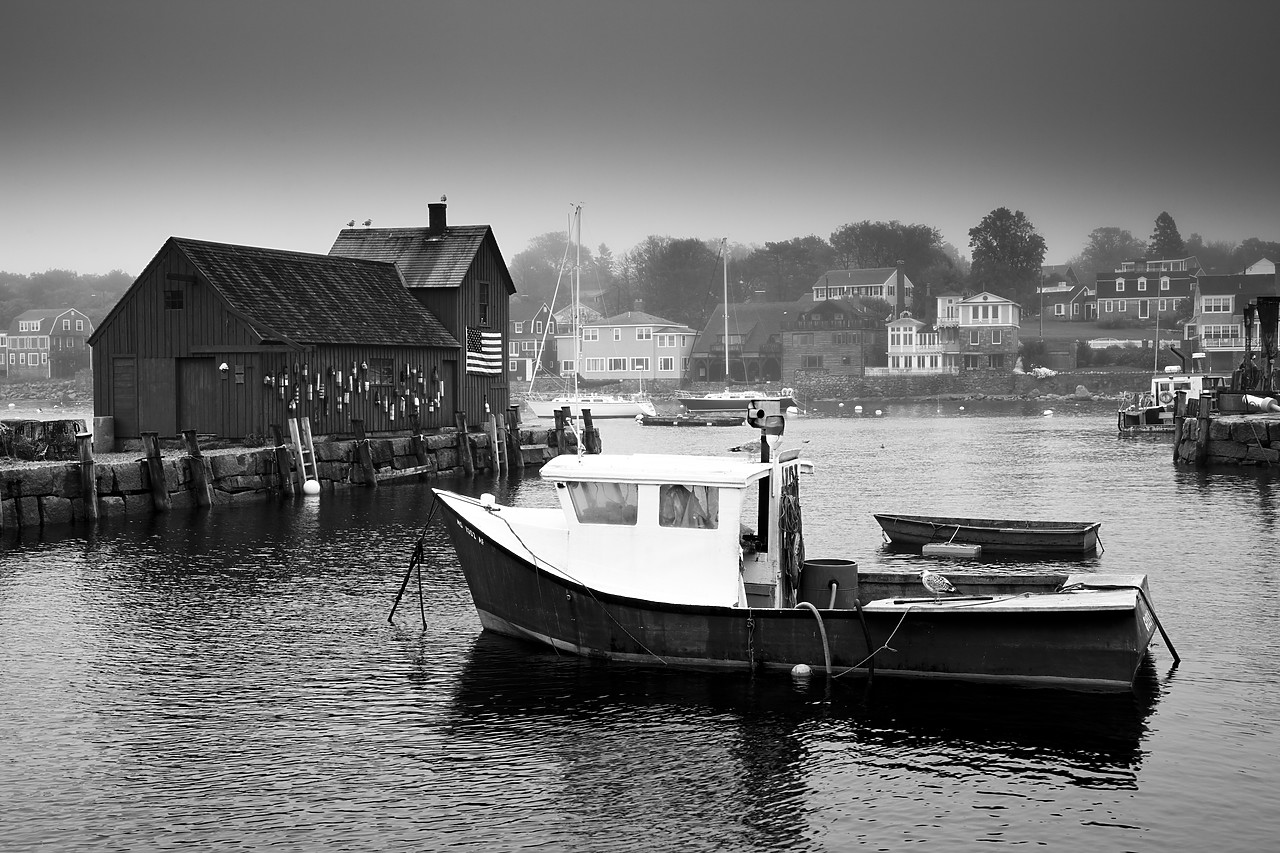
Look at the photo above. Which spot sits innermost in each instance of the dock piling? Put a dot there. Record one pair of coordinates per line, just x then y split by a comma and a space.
199, 473
155, 472
88, 476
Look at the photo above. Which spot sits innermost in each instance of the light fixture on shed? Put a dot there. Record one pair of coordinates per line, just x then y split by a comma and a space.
222, 369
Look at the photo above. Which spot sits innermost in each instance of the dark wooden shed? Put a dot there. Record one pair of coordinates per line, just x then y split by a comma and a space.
458, 274
227, 340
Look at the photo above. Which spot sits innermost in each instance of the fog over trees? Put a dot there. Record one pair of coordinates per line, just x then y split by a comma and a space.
682, 278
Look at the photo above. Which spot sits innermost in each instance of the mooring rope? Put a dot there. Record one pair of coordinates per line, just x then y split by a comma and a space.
822, 629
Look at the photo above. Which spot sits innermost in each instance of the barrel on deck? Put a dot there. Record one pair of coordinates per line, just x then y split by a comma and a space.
817, 576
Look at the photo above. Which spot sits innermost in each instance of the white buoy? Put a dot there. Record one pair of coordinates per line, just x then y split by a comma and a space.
857, 410
840, 406
879, 413
801, 671
1048, 413
311, 487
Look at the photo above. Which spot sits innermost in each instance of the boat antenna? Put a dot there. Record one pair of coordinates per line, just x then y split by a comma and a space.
724, 250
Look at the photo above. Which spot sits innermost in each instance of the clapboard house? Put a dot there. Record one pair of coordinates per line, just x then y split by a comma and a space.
228, 340
458, 274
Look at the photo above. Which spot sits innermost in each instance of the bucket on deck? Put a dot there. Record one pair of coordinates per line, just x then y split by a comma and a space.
816, 578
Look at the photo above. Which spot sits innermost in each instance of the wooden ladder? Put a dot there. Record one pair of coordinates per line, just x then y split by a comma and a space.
497, 442
304, 450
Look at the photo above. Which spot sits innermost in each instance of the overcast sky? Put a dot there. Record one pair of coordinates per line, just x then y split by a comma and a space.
275, 122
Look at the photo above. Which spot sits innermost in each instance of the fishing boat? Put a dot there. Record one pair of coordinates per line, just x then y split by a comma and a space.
709, 419
1153, 410
998, 537
652, 559
600, 405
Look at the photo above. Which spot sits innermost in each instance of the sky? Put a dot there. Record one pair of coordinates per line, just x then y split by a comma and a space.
275, 122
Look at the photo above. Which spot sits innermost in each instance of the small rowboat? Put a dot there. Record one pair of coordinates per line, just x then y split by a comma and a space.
998, 537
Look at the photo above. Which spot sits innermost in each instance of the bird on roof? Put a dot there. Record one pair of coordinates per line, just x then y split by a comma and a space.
935, 583
368, 222
351, 224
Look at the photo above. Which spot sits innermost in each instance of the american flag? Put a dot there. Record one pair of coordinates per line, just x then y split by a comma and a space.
484, 352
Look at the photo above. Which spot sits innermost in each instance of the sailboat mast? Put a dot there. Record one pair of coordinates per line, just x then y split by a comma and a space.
724, 250
577, 297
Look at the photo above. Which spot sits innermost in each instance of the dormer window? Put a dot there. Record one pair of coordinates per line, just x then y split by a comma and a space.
519, 327
1142, 284
1119, 285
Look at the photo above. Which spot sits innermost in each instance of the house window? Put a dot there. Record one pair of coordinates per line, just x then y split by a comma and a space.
22, 358
1163, 304
594, 365
617, 365
382, 371
1119, 285
819, 294
666, 340
515, 348
79, 325
1075, 309
684, 364
567, 366
1106, 306
1059, 309
1164, 283
997, 360
519, 327
482, 302
537, 327
529, 346
551, 327
590, 334
617, 334
811, 361
11, 358
1142, 284
974, 338
644, 334
1122, 305
1218, 304
805, 340
172, 300
511, 366
973, 362
666, 364
66, 325
996, 337
640, 364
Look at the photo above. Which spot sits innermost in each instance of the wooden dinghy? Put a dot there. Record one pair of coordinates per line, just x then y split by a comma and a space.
997, 537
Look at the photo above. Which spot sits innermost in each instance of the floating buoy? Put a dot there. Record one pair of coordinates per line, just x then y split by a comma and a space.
311, 487
839, 406
1048, 413
856, 409
801, 671
879, 413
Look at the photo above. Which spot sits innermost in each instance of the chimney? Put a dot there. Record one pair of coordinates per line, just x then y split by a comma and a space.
901, 304
436, 222
639, 305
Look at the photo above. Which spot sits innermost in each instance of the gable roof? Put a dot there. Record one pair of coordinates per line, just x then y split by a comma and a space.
1238, 285
636, 318
425, 259
876, 275
989, 297
756, 322
43, 315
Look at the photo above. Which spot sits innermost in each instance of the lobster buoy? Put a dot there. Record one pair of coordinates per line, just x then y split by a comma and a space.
1166, 397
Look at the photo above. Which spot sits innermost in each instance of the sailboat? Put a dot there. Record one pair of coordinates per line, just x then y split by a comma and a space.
599, 405
730, 400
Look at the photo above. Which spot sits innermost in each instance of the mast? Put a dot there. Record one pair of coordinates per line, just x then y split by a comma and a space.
724, 250
577, 297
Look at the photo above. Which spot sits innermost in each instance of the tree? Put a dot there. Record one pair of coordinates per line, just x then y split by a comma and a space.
1166, 242
1215, 256
868, 245
1107, 246
786, 270
1007, 255
678, 279
1252, 250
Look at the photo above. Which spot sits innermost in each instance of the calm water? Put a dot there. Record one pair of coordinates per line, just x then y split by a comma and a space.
229, 680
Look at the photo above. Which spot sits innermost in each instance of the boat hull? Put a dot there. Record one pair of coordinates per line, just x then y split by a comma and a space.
1077, 647
996, 536
731, 405
598, 407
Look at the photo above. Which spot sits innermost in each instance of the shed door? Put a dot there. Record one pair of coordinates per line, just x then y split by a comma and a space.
197, 403
124, 395
158, 409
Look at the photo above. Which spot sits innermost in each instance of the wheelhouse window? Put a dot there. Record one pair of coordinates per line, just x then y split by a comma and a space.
604, 503
688, 506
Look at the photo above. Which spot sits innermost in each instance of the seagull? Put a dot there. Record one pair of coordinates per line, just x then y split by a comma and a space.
368, 222
936, 584
351, 224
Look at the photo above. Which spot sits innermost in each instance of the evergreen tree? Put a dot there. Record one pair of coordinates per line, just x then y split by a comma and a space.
1007, 255
1166, 242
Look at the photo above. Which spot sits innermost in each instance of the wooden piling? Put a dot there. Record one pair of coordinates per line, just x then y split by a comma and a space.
590, 434
513, 437
1179, 415
364, 457
1202, 418
203, 492
562, 417
88, 476
464, 444
284, 477
155, 471
419, 444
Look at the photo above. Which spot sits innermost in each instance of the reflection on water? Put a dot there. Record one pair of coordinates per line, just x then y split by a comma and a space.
228, 678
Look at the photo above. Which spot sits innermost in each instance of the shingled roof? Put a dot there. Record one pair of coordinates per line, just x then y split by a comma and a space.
426, 259
309, 299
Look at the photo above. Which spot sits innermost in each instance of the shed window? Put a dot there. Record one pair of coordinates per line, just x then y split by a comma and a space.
482, 302
173, 299
604, 503
688, 506
382, 371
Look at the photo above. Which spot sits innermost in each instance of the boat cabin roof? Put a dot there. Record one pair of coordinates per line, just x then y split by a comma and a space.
657, 468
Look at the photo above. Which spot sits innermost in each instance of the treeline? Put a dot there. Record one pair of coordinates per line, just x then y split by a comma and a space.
681, 279
95, 295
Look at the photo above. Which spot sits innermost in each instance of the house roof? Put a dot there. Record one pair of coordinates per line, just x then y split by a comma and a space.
44, 315
1238, 285
522, 309
756, 322
636, 318
306, 298
989, 297
424, 258
838, 278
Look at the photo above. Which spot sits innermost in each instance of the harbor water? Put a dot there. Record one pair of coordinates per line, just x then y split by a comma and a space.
228, 679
